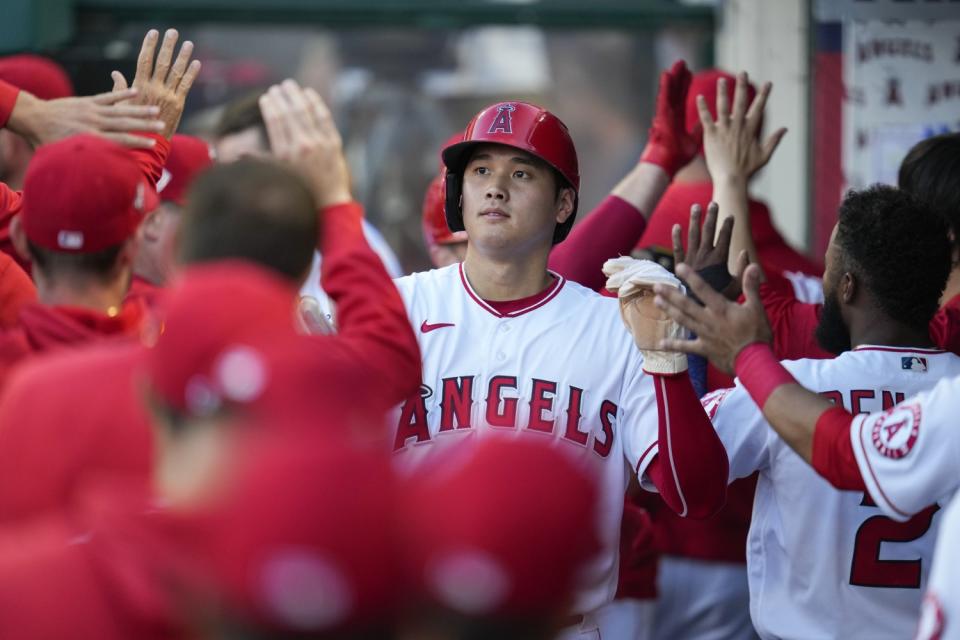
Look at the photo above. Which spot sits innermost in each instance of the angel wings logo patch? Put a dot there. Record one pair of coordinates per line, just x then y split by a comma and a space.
895, 432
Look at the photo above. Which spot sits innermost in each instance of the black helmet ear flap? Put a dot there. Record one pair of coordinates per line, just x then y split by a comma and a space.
453, 188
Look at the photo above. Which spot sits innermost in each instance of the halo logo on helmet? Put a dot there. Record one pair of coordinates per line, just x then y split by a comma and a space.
503, 123
520, 125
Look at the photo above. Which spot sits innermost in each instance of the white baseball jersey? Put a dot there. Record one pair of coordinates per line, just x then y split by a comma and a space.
823, 563
940, 618
909, 456
564, 369
312, 287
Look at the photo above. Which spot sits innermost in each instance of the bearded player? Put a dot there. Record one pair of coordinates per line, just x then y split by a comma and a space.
513, 350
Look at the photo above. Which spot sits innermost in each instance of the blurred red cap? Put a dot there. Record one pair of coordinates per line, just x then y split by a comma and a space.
83, 194
705, 84
189, 157
218, 318
304, 541
40, 76
501, 529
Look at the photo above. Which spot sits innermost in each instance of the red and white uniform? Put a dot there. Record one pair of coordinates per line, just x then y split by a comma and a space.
824, 563
560, 366
940, 617
909, 456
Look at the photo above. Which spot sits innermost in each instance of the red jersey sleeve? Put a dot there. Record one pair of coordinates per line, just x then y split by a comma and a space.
793, 323
8, 98
691, 467
371, 318
610, 230
152, 160
16, 290
945, 326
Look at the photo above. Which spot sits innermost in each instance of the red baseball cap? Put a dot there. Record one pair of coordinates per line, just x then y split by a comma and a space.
40, 76
705, 84
500, 529
189, 157
83, 194
217, 319
304, 541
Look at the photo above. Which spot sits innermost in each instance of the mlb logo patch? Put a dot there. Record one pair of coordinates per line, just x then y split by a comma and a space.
913, 363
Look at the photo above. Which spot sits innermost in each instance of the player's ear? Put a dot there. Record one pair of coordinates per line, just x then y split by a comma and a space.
848, 287
565, 201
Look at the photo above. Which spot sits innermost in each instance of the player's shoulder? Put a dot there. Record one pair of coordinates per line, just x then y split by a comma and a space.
576, 293
433, 279
881, 362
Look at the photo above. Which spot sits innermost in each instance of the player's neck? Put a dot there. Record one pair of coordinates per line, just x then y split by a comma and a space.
875, 329
501, 280
97, 297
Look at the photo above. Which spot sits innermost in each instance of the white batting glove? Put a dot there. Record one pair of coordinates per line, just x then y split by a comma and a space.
633, 281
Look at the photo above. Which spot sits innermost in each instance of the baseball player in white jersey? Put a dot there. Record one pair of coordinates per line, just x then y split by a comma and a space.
940, 617
824, 562
512, 350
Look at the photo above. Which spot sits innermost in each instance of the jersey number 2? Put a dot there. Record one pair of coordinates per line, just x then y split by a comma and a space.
867, 569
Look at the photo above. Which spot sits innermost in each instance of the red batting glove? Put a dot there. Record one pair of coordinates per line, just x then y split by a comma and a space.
670, 146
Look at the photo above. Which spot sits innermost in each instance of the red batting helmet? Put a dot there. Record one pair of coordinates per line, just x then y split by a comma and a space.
435, 229
523, 126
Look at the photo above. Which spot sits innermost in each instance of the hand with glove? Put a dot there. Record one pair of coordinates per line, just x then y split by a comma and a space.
632, 280
670, 146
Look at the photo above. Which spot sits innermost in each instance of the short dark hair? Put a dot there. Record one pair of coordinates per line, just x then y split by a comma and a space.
252, 209
240, 115
931, 172
99, 265
898, 247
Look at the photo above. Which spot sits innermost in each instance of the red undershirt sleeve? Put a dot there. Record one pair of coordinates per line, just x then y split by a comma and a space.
151, 161
833, 456
8, 98
793, 323
612, 229
371, 318
691, 467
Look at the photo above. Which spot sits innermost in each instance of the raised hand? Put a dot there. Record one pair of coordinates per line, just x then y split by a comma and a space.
732, 144
707, 257
670, 146
302, 133
43, 121
723, 328
164, 82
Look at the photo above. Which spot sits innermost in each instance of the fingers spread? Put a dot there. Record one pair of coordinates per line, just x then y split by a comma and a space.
165, 56
709, 229
723, 101
676, 233
740, 96
180, 65
693, 231
145, 59
187, 80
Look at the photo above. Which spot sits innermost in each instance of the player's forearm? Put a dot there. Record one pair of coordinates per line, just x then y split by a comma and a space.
371, 317
691, 468
612, 229
730, 194
643, 187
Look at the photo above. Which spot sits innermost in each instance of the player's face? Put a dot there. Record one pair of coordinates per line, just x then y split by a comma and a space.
511, 201
832, 332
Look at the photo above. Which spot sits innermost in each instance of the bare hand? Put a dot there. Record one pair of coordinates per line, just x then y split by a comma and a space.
302, 132
731, 144
723, 328
44, 121
705, 256
160, 84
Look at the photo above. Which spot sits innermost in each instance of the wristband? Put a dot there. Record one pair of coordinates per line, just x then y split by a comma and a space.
760, 372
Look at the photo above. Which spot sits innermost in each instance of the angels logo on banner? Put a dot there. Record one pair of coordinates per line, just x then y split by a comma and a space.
902, 81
